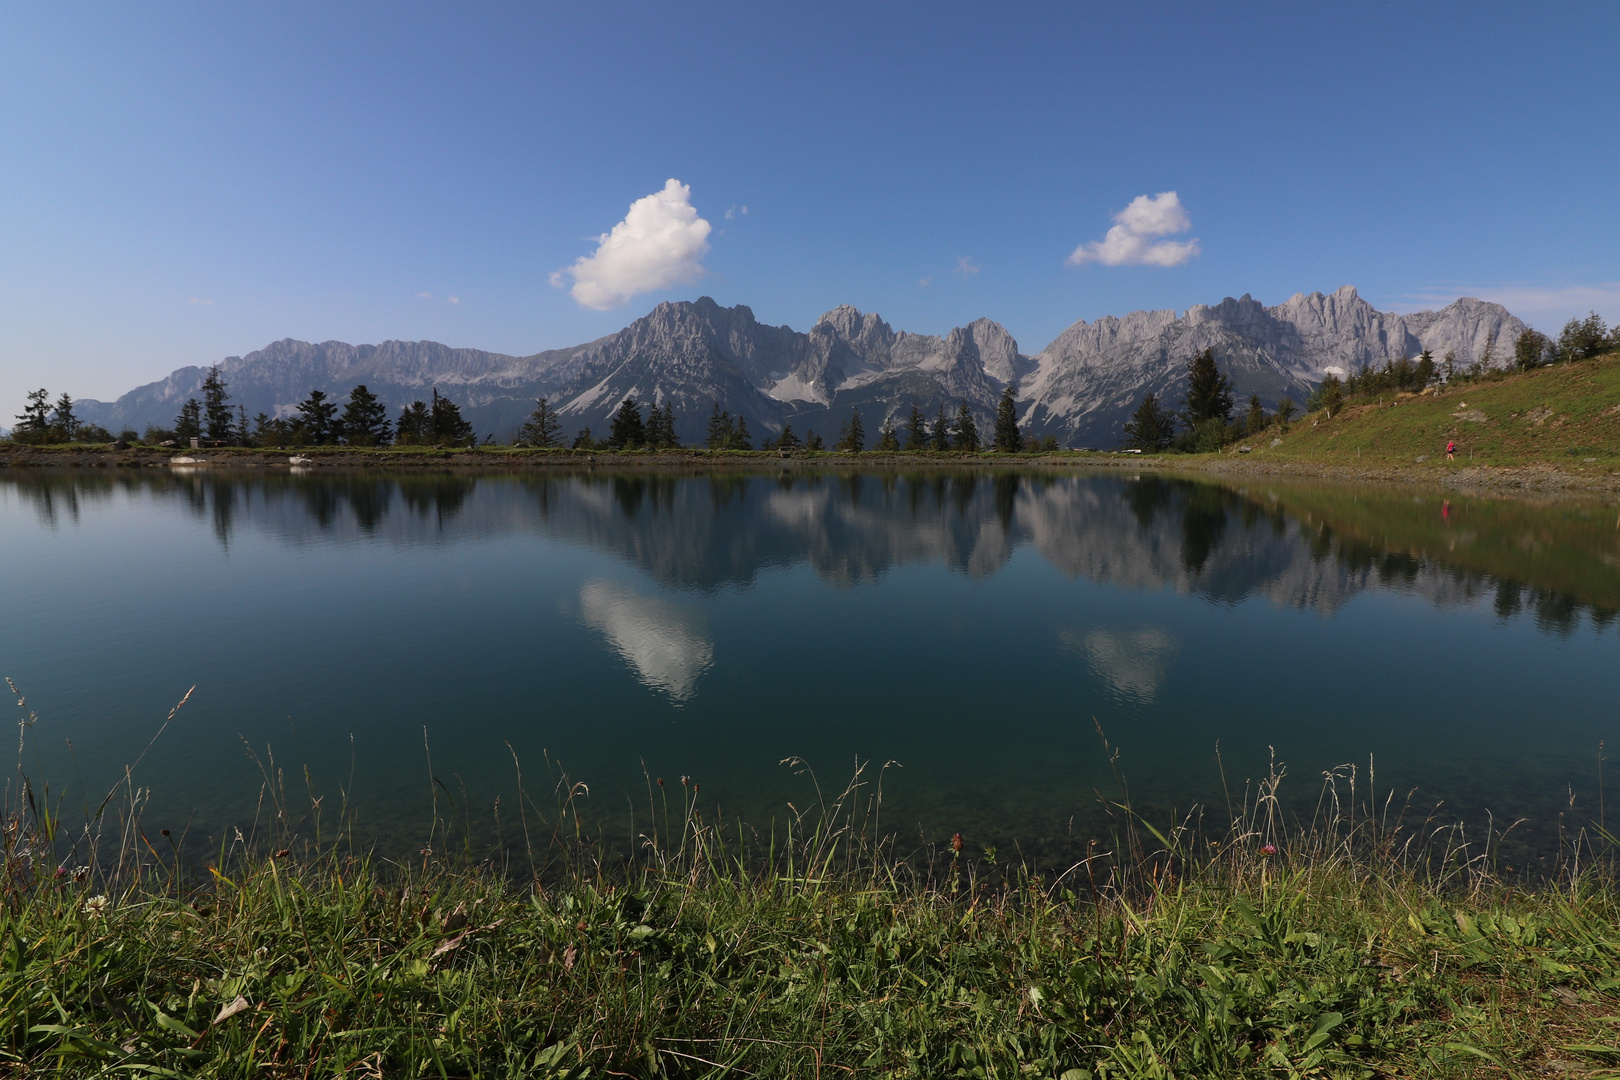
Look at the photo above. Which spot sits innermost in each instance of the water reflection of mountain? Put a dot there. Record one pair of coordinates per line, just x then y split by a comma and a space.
706, 532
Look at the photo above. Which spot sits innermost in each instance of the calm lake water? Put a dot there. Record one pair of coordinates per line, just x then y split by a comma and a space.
977, 629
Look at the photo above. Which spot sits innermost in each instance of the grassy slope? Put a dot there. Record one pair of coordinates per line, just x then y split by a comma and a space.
1581, 421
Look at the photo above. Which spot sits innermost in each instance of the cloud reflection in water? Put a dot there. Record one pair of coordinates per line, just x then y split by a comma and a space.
658, 640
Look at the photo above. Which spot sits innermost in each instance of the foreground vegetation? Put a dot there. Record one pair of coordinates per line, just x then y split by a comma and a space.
1345, 947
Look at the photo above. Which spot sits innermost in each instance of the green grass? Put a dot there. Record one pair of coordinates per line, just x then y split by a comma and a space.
1341, 947
1559, 416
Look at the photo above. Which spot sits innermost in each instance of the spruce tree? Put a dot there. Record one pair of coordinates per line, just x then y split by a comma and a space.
63, 423
1257, 415
888, 441
583, 440
1425, 369
812, 441
365, 419
1008, 438
541, 427
967, 432
35, 420
916, 429
740, 439
852, 436
188, 425
217, 411
628, 430
447, 424
1285, 411
414, 425
721, 431
942, 431
319, 415
1209, 393
787, 440
1151, 427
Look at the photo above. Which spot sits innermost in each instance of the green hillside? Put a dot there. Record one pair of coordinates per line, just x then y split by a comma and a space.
1567, 416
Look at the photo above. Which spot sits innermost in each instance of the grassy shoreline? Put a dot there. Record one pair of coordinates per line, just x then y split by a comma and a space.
1551, 477
1343, 947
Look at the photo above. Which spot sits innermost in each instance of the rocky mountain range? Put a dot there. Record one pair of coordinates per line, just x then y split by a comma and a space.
689, 355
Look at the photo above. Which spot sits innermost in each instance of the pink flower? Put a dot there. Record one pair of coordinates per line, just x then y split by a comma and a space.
1268, 849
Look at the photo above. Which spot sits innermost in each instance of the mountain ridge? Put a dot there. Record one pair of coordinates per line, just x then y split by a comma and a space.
690, 355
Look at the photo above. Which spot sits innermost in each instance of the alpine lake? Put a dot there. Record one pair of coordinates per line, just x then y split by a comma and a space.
1010, 653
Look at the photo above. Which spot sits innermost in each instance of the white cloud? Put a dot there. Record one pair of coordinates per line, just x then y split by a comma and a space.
1131, 241
424, 296
453, 299
924, 282
966, 266
735, 212
1545, 307
200, 301
661, 242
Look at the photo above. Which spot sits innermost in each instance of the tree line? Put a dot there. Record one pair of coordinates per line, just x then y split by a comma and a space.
318, 420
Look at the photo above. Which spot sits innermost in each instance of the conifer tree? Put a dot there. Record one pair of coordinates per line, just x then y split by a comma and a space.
1285, 410
583, 440
63, 422
1151, 427
365, 419
541, 427
967, 432
942, 431
628, 430
1257, 415
740, 439
188, 425
447, 424
415, 424
916, 429
35, 420
888, 441
217, 411
1425, 369
852, 435
319, 415
812, 441
1209, 393
721, 431
1008, 438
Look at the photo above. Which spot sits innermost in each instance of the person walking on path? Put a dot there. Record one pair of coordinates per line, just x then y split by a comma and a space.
1451, 450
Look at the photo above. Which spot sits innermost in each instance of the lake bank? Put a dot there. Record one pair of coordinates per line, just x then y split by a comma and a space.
1545, 477
1254, 961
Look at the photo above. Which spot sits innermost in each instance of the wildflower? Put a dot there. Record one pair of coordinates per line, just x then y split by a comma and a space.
96, 907
1268, 850
956, 843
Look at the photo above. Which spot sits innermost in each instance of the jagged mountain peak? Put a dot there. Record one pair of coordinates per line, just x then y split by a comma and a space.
691, 354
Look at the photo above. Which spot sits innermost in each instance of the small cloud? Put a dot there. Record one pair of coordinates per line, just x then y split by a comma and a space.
735, 212
424, 296
966, 266
199, 300
1131, 241
924, 282
661, 242
453, 299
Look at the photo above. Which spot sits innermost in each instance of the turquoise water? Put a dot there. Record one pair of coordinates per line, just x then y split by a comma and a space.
976, 630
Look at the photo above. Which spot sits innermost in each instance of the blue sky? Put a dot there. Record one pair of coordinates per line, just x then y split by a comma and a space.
182, 182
